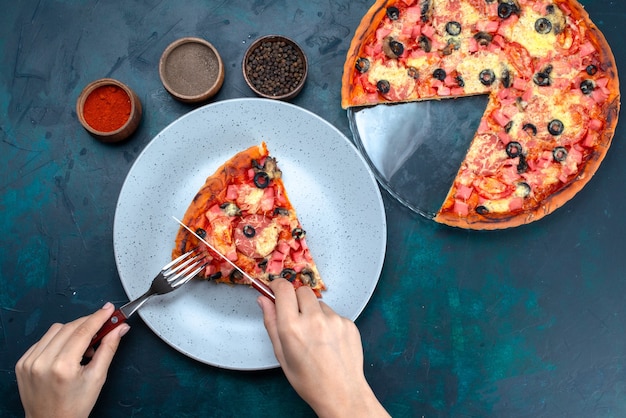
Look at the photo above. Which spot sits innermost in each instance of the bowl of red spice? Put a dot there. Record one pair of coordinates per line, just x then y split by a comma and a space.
191, 70
109, 110
275, 67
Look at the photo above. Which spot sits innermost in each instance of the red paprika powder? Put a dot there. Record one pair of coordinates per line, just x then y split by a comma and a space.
107, 108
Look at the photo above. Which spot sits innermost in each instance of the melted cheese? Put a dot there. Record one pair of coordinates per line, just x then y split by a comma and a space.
266, 241
524, 33
395, 75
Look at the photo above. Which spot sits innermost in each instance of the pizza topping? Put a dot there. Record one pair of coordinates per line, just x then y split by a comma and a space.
542, 78
529, 128
483, 38
308, 277
362, 65
383, 86
412, 73
261, 179
424, 43
453, 28
426, 10
555, 127
392, 48
513, 149
201, 232
230, 209
487, 77
543, 25
508, 7
249, 231
587, 86
298, 233
288, 274
591, 69
393, 13
439, 74
559, 154
522, 189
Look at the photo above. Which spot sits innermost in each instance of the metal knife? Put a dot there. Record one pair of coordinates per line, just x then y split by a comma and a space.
256, 283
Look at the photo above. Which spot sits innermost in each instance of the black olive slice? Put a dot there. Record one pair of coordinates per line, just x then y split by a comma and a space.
426, 10
249, 231
483, 38
513, 149
506, 8
591, 69
393, 13
281, 211
383, 86
453, 28
215, 276
508, 126
362, 65
298, 233
255, 164
439, 74
288, 274
261, 180
235, 275
587, 86
460, 81
487, 77
201, 232
413, 73
543, 25
424, 43
506, 79
550, 9
396, 48
555, 127
542, 79
559, 154
529, 128
522, 165
262, 264
482, 210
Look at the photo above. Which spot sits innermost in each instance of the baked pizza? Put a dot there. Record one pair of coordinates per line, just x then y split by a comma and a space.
551, 82
244, 212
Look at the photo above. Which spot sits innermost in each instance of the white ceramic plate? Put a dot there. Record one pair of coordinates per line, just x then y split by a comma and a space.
329, 183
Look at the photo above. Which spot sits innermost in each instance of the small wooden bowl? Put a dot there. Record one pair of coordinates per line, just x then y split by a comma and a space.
115, 134
274, 90
191, 70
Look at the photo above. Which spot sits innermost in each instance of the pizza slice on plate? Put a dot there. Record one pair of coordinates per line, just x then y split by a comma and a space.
244, 212
552, 85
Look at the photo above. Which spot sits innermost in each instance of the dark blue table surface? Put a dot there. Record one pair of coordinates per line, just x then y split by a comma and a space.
522, 322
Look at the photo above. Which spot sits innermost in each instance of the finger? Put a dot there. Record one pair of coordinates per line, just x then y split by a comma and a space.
269, 320
103, 356
36, 349
83, 332
286, 302
307, 301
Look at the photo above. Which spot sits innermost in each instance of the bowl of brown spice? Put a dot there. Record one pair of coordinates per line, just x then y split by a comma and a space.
191, 70
275, 67
109, 110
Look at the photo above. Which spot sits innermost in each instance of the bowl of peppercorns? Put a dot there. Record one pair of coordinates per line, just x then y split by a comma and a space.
275, 67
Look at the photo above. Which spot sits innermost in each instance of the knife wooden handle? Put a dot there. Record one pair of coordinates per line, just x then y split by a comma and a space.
117, 318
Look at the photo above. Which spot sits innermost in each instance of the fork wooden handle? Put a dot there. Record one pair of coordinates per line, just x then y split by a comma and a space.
117, 318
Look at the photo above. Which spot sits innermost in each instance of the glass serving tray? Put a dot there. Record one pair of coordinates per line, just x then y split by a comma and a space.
415, 149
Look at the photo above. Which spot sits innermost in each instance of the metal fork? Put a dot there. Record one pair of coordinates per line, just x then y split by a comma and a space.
172, 276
